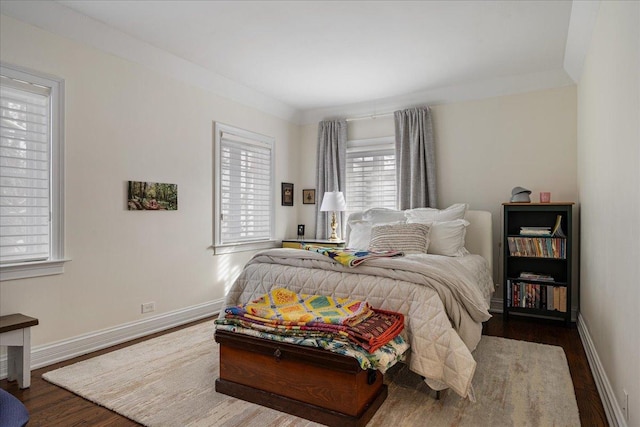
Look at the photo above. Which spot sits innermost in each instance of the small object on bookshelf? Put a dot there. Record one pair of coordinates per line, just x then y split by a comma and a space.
545, 197
537, 260
520, 195
557, 228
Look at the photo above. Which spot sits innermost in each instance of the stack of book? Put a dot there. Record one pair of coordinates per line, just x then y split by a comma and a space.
532, 295
535, 231
540, 247
555, 231
536, 276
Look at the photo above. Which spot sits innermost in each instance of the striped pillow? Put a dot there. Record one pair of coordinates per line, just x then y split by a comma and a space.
408, 238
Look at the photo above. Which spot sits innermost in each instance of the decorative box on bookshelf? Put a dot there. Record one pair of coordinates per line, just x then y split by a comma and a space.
537, 259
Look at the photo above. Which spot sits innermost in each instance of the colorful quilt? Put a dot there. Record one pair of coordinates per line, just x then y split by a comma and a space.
287, 313
282, 305
289, 327
370, 334
351, 257
375, 331
382, 359
293, 331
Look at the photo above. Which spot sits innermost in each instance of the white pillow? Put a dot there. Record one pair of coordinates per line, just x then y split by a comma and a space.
408, 238
447, 238
383, 216
360, 234
425, 215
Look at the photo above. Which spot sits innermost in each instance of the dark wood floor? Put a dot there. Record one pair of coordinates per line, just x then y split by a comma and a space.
49, 405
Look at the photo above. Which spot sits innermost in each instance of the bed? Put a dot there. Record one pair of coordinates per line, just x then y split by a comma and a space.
444, 298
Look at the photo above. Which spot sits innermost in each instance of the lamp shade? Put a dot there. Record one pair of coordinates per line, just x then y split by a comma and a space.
333, 201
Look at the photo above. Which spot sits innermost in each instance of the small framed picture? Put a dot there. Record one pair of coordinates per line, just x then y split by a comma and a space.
309, 197
287, 194
151, 196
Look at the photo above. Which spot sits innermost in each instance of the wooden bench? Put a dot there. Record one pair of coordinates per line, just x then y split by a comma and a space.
15, 333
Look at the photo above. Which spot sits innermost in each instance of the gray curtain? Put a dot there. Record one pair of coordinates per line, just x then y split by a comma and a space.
415, 158
332, 166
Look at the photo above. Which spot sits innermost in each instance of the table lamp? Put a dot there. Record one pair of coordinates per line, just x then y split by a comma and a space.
333, 201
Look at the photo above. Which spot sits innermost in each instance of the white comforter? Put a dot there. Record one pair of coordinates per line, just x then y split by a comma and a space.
441, 298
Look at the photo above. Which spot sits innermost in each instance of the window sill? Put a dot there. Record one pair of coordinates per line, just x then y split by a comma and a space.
32, 269
242, 247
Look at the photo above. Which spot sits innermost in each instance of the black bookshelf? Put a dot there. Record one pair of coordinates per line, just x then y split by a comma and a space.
537, 266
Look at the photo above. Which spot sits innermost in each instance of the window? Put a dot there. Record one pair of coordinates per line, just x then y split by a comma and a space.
371, 174
244, 163
31, 172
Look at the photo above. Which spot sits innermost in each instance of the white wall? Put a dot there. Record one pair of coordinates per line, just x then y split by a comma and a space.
609, 188
485, 148
126, 122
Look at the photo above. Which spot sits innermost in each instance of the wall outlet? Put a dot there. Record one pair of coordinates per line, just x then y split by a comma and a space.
625, 404
148, 307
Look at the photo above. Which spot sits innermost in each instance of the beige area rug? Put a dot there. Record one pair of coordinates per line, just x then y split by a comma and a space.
169, 381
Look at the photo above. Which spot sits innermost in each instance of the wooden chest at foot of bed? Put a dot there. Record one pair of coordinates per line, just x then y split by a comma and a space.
311, 383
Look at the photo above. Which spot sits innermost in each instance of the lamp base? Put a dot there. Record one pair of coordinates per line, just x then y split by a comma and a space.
334, 237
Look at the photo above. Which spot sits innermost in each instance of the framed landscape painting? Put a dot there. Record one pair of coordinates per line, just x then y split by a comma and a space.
151, 196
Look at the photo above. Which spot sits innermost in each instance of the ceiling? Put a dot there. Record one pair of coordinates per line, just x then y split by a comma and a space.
324, 55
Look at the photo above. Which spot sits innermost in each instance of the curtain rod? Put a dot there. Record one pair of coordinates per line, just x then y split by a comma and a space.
370, 116
374, 116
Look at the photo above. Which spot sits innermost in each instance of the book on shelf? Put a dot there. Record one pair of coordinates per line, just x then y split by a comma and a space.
560, 298
550, 299
557, 228
530, 295
563, 300
535, 231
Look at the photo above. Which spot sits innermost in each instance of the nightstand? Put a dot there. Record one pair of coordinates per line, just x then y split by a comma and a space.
299, 243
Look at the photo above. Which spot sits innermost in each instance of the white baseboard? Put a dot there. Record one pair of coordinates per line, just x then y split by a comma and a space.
612, 409
49, 354
496, 305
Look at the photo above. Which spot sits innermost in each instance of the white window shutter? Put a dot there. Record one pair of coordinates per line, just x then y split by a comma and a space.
25, 146
245, 190
245, 169
371, 175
